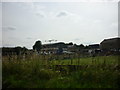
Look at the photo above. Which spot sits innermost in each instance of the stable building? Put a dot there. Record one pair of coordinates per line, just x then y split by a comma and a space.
112, 44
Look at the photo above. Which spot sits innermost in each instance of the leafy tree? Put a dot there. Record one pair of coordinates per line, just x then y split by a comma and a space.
70, 43
81, 46
75, 45
37, 46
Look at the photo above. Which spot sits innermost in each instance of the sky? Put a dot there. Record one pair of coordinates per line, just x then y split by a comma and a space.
23, 23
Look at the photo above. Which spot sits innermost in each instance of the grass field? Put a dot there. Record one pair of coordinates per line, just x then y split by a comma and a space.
88, 61
87, 72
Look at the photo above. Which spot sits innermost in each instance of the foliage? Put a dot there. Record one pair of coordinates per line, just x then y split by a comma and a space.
38, 72
37, 46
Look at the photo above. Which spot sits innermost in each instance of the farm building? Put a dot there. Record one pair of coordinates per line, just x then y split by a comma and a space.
94, 46
110, 44
55, 48
54, 45
49, 50
94, 49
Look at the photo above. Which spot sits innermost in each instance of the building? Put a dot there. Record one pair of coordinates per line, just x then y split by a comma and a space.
56, 48
94, 49
49, 50
94, 46
112, 44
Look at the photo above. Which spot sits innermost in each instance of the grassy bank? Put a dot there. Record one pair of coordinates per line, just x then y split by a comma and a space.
89, 72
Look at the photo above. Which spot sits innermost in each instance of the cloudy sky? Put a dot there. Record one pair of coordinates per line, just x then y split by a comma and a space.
79, 22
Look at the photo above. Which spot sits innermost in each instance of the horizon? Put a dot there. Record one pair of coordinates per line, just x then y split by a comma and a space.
23, 23
58, 42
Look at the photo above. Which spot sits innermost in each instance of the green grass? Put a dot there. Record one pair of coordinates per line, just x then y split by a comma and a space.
88, 61
97, 72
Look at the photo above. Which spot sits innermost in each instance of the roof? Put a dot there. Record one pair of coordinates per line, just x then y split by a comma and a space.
94, 46
111, 40
112, 43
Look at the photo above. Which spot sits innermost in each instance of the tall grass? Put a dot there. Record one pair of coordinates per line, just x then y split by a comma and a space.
40, 72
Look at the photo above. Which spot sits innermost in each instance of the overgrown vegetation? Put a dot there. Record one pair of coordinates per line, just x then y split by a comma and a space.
38, 72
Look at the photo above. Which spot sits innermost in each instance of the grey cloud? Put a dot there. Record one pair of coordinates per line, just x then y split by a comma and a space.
62, 14
88, 42
39, 14
76, 39
29, 38
11, 28
7, 45
8, 28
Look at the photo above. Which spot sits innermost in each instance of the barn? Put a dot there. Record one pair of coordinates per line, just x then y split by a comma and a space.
112, 44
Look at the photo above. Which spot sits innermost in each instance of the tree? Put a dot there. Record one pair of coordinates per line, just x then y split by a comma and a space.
37, 46
70, 43
81, 46
75, 45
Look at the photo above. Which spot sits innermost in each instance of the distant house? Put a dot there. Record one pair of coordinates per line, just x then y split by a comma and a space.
110, 44
54, 45
94, 49
94, 46
56, 48
49, 50
74, 49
